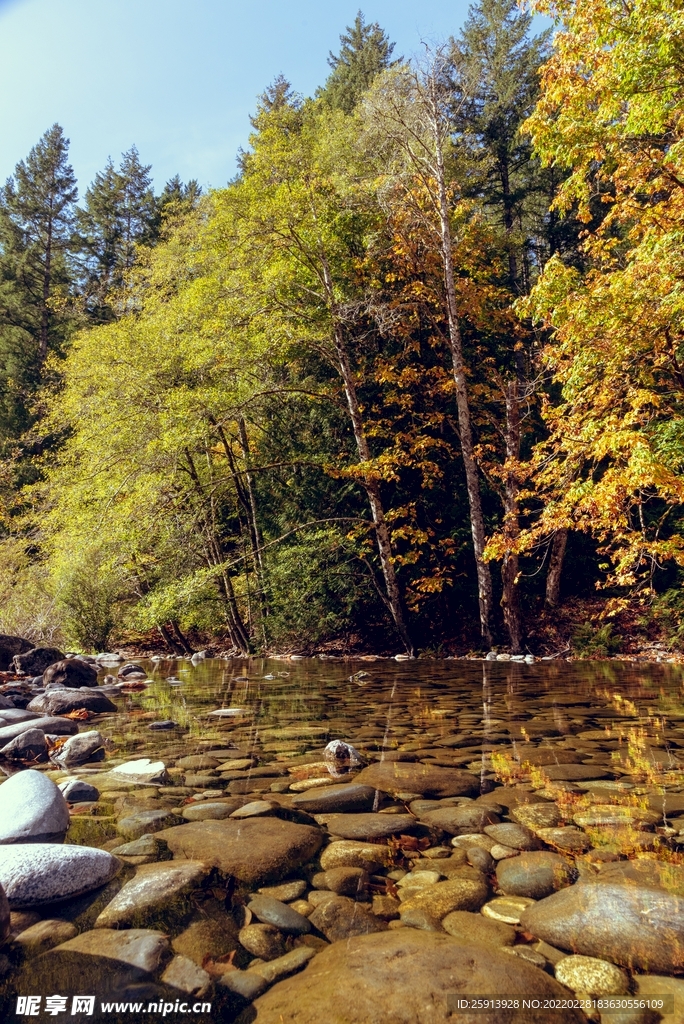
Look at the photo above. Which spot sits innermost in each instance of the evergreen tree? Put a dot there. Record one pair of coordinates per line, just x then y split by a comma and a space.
496, 84
120, 212
36, 238
365, 52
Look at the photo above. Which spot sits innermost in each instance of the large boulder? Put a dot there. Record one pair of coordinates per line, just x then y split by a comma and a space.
9, 646
399, 777
32, 810
70, 672
35, 661
254, 851
632, 915
62, 702
408, 977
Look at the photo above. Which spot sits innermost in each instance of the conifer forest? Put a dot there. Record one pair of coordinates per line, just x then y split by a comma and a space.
412, 381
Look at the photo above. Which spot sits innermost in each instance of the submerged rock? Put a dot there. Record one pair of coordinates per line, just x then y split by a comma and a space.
592, 977
395, 777
32, 875
63, 702
156, 888
339, 798
460, 820
254, 851
52, 726
272, 911
536, 874
370, 826
634, 925
32, 810
142, 770
444, 897
406, 977
340, 918
263, 940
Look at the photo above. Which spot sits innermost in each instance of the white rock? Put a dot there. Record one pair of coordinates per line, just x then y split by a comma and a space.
32, 809
594, 977
35, 873
142, 770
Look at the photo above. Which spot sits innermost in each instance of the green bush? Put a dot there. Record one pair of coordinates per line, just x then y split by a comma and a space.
595, 641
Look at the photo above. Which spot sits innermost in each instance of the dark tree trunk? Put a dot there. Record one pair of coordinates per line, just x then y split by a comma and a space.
553, 579
510, 600
182, 640
169, 640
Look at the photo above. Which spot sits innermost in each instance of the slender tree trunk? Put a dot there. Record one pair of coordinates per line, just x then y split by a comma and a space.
484, 576
182, 640
393, 593
236, 627
168, 639
247, 500
510, 600
394, 598
553, 579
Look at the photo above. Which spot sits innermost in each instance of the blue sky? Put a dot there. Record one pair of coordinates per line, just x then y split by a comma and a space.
178, 78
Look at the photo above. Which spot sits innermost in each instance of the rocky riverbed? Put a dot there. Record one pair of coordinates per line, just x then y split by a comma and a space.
351, 843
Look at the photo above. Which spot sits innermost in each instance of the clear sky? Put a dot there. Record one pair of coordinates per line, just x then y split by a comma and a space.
178, 78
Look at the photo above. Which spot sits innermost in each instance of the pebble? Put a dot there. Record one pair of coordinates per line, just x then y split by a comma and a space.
253, 809
468, 927
541, 815
272, 911
284, 965
183, 974
460, 820
263, 940
342, 881
370, 826
535, 874
142, 770
245, 985
340, 917
206, 809
356, 855
287, 891
44, 935
455, 894
76, 791
133, 826
594, 977
507, 909
32, 809
514, 835
36, 873
480, 859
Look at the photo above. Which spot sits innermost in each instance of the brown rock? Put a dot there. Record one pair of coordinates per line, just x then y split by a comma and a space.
405, 977
442, 898
467, 927
254, 851
341, 918
396, 777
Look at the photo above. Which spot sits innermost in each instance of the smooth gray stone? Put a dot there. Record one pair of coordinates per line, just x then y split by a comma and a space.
61, 702
155, 889
243, 984
32, 875
535, 874
47, 724
77, 792
11, 716
32, 809
29, 746
79, 749
272, 911
328, 799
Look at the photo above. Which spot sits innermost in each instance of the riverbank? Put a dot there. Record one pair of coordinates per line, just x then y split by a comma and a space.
295, 841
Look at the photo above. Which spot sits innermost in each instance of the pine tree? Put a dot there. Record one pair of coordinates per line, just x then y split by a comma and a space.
496, 85
120, 212
365, 52
36, 239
